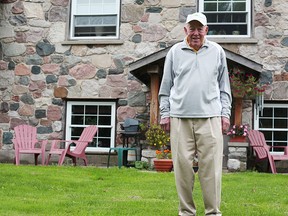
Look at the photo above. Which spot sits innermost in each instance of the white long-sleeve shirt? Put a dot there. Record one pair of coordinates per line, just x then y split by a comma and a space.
195, 84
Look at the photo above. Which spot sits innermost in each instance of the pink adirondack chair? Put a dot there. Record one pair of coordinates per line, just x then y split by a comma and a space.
25, 143
262, 150
79, 149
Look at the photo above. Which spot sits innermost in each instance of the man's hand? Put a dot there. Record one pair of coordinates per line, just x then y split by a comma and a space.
225, 125
165, 124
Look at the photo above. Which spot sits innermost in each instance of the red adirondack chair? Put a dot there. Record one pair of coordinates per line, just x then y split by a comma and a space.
25, 143
79, 149
262, 150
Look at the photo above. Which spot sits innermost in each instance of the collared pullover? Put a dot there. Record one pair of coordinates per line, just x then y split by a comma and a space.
195, 84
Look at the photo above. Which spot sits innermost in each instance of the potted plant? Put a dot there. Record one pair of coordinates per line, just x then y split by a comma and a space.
157, 138
238, 133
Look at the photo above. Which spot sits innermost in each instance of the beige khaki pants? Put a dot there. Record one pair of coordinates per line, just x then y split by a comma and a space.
204, 137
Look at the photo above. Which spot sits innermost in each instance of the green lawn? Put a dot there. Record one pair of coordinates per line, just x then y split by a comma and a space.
67, 190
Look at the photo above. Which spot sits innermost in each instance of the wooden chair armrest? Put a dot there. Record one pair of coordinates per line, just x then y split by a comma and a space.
43, 143
278, 147
57, 142
285, 148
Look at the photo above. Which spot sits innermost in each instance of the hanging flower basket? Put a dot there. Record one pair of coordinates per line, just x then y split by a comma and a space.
245, 85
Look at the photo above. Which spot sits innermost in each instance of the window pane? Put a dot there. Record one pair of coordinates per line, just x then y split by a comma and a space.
96, 1
229, 29
96, 21
93, 143
265, 123
280, 135
82, 9
96, 9
210, 7
211, 18
104, 132
224, 18
280, 112
91, 120
224, 7
82, 21
280, 123
104, 120
239, 6
108, 20
77, 120
109, 8
76, 132
267, 135
95, 31
91, 110
77, 109
105, 143
104, 110
267, 112
239, 17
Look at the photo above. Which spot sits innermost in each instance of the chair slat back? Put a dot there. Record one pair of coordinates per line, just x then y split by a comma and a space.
87, 135
257, 141
25, 136
261, 152
256, 138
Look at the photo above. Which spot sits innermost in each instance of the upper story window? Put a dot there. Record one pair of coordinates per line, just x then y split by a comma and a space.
95, 19
227, 18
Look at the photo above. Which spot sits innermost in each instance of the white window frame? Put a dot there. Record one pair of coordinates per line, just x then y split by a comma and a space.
74, 13
258, 116
248, 19
111, 126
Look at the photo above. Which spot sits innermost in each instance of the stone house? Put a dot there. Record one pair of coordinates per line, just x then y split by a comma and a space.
66, 64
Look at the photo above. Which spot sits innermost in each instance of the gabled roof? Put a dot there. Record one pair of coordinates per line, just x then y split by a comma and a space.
141, 67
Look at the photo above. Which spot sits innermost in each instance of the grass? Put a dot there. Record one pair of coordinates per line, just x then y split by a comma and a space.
67, 190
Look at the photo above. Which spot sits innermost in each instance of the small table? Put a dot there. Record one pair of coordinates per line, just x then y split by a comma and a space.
122, 155
125, 139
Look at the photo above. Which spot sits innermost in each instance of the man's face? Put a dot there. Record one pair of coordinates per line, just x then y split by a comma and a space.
195, 32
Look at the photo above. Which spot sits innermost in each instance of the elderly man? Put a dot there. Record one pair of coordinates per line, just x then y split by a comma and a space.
195, 104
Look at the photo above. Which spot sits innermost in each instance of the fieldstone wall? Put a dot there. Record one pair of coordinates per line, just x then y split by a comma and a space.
237, 156
37, 71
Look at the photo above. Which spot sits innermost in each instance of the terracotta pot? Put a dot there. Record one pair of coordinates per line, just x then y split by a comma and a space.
163, 165
238, 139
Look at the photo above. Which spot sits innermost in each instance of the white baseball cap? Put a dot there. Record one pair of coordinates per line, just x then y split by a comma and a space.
197, 16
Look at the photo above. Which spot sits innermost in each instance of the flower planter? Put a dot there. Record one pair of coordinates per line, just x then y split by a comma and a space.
163, 165
238, 139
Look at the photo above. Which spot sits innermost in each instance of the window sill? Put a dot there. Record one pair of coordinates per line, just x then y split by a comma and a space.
234, 40
81, 42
